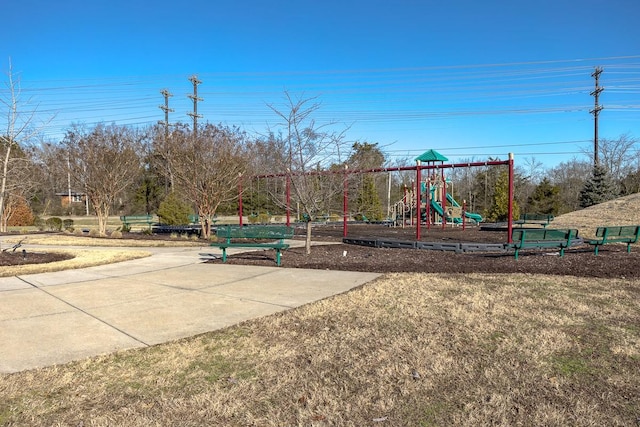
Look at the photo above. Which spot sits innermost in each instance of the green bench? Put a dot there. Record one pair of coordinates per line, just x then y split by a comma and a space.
615, 234
539, 219
129, 220
523, 238
263, 236
195, 219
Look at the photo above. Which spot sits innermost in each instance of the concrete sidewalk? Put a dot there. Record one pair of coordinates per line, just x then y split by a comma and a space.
54, 318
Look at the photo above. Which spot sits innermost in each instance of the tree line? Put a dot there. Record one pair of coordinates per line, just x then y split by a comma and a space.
177, 171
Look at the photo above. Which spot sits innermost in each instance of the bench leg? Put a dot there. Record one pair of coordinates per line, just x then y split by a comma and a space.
224, 254
278, 257
628, 248
561, 252
516, 255
595, 250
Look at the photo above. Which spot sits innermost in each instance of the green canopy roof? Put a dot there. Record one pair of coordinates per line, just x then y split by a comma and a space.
431, 156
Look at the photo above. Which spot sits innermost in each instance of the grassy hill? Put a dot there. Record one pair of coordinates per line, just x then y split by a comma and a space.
621, 211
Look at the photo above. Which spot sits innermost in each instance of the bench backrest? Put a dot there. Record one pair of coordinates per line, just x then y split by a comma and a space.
255, 232
618, 231
536, 217
538, 234
136, 218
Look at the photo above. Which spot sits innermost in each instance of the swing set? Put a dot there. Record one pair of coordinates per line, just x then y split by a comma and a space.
431, 162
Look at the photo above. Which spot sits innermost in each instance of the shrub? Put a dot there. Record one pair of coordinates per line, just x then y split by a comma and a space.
67, 224
78, 232
173, 210
94, 232
264, 218
39, 223
116, 234
54, 223
22, 215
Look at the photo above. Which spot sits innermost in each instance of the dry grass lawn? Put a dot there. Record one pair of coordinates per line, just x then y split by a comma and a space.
70, 240
81, 259
85, 258
405, 350
622, 211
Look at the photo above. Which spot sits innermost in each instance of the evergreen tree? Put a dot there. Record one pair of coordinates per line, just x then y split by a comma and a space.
499, 209
598, 188
545, 198
368, 200
173, 210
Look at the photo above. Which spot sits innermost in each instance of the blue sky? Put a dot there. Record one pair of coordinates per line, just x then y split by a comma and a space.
470, 79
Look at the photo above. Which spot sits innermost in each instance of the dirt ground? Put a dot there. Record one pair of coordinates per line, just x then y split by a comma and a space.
613, 260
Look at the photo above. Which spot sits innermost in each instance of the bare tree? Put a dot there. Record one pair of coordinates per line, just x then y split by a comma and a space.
160, 156
311, 148
570, 177
105, 162
207, 168
22, 177
18, 133
618, 156
533, 170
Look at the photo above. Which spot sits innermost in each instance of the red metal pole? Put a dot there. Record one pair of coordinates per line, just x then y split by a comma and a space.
240, 199
427, 205
345, 201
464, 210
419, 207
288, 196
444, 201
510, 210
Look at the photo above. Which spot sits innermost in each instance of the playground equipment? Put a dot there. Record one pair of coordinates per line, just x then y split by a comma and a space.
432, 189
409, 206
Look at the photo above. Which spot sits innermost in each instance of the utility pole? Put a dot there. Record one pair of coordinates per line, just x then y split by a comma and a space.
166, 110
596, 111
194, 79
166, 94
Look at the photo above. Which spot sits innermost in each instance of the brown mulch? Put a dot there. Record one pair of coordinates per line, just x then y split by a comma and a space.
612, 262
23, 258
